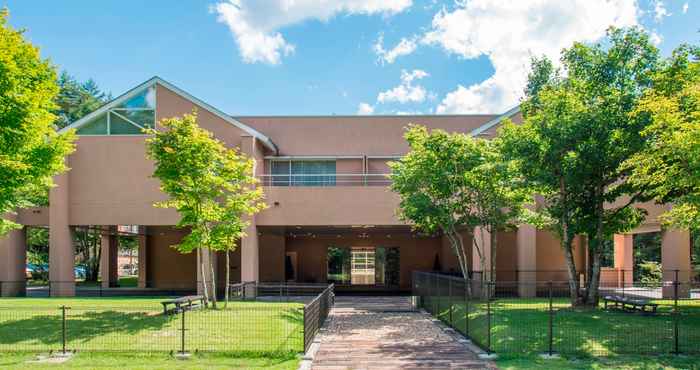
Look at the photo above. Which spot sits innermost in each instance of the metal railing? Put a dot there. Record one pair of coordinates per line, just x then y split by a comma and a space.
539, 318
315, 314
338, 179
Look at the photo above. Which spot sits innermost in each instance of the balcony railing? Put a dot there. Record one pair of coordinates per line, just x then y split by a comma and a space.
339, 179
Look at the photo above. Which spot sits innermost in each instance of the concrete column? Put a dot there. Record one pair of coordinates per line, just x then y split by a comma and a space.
13, 258
675, 255
104, 259
624, 259
142, 257
527, 260
483, 239
61, 247
249, 244
207, 257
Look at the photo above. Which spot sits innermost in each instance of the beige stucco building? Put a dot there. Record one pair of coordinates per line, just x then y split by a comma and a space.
331, 216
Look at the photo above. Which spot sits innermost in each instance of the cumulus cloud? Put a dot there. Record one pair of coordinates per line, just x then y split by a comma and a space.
685, 8
404, 47
365, 109
509, 33
256, 24
406, 91
660, 11
655, 38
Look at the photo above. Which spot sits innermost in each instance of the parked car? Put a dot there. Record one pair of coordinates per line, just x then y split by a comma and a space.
37, 271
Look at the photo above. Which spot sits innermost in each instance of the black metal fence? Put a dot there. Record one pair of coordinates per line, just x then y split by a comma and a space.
537, 317
257, 324
315, 314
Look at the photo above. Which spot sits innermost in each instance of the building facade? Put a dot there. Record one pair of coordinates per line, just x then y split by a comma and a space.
331, 215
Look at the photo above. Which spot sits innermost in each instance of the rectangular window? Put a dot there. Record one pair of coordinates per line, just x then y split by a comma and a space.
303, 173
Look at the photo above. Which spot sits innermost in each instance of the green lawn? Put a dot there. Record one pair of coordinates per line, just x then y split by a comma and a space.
150, 361
513, 362
252, 329
521, 326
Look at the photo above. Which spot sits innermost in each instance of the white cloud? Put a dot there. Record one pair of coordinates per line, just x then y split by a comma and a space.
655, 38
406, 91
255, 24
404, 47
660, 11
509, 33
685, 8
365, 109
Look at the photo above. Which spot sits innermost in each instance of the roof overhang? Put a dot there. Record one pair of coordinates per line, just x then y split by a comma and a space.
266, 141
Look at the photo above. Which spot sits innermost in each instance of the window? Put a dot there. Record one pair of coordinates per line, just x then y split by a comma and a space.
128, 118
303, 173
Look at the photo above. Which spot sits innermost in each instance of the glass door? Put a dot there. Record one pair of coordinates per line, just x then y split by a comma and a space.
362, 266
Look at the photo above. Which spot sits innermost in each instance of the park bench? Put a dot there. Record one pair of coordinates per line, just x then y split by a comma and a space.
186, 303
627, 303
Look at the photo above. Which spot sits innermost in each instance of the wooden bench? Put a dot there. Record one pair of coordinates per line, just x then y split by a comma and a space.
189, 302
630, 304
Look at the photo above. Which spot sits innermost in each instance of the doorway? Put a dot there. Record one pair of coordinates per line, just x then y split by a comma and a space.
363, 265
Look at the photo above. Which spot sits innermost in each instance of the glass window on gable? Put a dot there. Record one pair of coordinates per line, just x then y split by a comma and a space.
130, 117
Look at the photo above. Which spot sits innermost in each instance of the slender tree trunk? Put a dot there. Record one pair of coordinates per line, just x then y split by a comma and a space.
571, 270
213, 279
228, 273
592, 292
457, 244
204, 276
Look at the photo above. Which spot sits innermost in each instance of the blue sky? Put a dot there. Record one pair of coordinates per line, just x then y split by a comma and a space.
311, 57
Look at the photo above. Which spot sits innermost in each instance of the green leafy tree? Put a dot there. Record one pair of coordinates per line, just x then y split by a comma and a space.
75, 99
451, 183
669, 166
212, 187
31, 152
578, 129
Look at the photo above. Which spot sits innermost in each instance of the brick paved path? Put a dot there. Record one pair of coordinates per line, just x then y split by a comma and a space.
384, 333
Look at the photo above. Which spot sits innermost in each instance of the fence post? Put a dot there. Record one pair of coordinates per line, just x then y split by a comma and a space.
551, 322
466, 306
182, 334
675, 315
436, 301
449, 299
623, 282
488, 318
63, 329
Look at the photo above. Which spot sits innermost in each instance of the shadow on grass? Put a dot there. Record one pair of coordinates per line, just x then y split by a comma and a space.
46, 329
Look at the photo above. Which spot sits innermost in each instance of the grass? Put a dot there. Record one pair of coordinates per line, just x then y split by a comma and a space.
511, 362
250, 329
521, 326
150, 361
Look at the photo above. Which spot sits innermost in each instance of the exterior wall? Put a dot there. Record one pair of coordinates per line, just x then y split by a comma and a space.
166, 267
272, 255
415, 254
333, 205
352, 135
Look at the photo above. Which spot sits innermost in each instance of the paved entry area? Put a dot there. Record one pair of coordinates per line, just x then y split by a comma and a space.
385, 333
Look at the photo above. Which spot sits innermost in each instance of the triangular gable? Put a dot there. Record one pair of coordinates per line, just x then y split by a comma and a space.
494, 122
157, 80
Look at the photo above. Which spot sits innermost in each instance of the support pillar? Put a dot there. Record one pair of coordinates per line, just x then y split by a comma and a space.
527, 260
61, 247
109, 258
13, 258
624, 259
250, 261
142, 257
675, 262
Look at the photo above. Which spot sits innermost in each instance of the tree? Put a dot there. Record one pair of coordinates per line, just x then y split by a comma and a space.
212, 187
578, 129
669, 166
75, 99
88, 250
451, 183
31, 152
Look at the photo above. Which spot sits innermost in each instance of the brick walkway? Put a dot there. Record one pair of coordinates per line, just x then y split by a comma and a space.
384, 333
